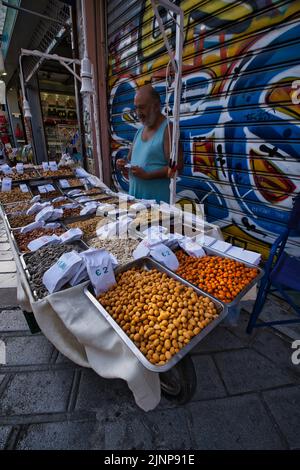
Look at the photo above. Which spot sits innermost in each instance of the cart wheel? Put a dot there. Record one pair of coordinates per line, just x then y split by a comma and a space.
179, 383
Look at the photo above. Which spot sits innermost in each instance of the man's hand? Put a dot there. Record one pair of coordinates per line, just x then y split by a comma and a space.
139, 172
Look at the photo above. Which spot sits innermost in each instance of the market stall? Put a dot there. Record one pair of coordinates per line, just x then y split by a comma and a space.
93, 328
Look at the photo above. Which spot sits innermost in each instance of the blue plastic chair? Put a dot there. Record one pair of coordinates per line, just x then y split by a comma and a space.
282, 273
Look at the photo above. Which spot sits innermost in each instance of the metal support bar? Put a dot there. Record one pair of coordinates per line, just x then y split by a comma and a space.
177, 66
25, 10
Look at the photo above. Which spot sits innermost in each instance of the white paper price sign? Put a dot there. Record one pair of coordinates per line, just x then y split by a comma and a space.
52, 166
49, 188
20, 168
165, 256
6, 169
64, 184
24, 188
45, 166
6, 184
42, 189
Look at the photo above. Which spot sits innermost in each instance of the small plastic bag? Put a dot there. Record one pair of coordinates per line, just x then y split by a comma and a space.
37, 207
100, 270
43, 241
56, 214
44, 214
62, 271
89, 208
35, 199
71, 235
32, 226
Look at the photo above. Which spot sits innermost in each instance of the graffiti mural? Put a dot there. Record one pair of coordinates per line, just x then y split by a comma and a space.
240, 129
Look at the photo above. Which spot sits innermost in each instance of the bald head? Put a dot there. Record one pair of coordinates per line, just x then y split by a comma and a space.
149, 93
147, 105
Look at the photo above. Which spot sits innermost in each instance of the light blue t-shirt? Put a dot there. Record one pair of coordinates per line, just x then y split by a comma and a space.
150, 156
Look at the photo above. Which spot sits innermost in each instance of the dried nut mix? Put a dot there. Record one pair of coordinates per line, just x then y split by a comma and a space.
93, 191
58, 204
14, 195
19, 220
28, 174
17, 207
72, 212
23, 239
158, 313
121, 248
146, 216
57, 173
75, 182
50, 194
221, 277
40, 261
88, 226
99, 197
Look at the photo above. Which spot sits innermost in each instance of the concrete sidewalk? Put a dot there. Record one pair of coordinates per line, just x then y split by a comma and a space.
248, 393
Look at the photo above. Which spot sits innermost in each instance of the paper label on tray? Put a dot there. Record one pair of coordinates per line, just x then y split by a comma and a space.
24, 188
45, 166
100, 270
64, 184
6, 169
62, 271
165, 256
20, 168
53, 166
42, 189
56, 214
191, 247
50, 188
6, 184
37, 207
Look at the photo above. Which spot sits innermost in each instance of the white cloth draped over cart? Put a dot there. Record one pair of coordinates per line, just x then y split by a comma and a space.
75, 327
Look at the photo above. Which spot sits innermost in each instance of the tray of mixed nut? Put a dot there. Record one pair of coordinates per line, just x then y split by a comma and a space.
158, 315
37, 263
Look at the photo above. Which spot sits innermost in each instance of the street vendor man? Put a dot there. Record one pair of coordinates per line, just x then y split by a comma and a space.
149, 173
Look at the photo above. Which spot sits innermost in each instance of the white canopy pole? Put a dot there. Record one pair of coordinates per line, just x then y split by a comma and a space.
177, 66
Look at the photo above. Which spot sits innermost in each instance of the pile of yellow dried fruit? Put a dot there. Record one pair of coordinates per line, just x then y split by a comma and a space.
158, 313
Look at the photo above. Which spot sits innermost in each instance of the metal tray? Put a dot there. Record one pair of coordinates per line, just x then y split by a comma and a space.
6, 216
147, 264
34, 185
79, 246
25, 178
209, 251
14, 186
14, 230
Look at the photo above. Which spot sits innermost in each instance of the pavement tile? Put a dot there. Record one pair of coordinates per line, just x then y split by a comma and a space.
170, 429
7, 266
8, 296
246, 370
1, 377
235, 423
6, 256
275, 347
22, 350
61, 359
128, 434
37, 392
209, 383
4, 433
285, 407
219, 339
96, 392
70, 435
240, 329
12, 320
8, 280
4, 246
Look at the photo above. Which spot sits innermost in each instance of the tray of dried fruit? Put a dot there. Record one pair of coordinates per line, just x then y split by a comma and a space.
88, 225
21, 240
121, 248
160, 316
35, 264
222, 276
71, 183
60, 173
28, 174
15, 195
45, 189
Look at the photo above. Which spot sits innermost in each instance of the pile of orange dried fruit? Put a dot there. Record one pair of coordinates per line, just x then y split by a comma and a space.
158, 313
224, 278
